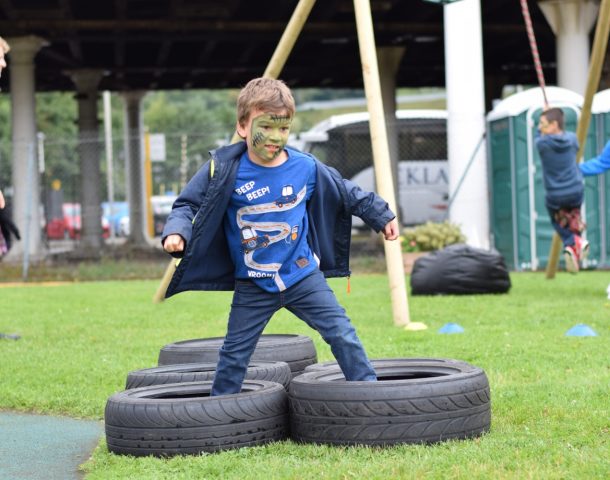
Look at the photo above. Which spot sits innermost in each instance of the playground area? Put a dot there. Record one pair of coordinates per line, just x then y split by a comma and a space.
515, 385
548, 390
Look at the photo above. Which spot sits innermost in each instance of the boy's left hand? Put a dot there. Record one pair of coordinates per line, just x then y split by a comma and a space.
391, 230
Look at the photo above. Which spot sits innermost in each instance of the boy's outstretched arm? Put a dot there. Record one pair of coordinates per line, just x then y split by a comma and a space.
371, 208
597, 165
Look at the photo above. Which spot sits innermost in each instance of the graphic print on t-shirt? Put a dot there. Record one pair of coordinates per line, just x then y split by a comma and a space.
252, 239
266, 223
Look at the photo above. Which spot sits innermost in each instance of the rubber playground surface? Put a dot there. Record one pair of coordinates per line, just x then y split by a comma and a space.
37, 447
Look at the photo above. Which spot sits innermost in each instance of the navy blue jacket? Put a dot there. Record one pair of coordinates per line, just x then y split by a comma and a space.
562, 177
197, 215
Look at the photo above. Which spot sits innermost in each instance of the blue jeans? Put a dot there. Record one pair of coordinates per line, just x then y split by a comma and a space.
553, 204
312, 301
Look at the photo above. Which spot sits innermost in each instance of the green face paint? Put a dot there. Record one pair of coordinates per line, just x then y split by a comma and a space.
269, 135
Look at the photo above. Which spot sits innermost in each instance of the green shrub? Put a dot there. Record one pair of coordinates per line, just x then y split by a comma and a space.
431, 236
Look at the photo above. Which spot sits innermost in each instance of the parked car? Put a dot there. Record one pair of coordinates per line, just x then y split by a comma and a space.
161, 206
69, 226
119, 211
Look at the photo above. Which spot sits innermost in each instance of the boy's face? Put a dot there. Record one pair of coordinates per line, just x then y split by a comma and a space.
266, 135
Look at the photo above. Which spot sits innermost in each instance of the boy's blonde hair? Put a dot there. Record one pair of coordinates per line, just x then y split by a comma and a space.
4, 45
266, 94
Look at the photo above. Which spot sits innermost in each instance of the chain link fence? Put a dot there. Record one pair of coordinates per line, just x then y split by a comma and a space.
418, 143
342, 142
75, 173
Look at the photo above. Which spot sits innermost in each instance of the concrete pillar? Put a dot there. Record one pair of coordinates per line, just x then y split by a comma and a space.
26, 177
89, 148
134, 167
571, 22
466, 121
388, 60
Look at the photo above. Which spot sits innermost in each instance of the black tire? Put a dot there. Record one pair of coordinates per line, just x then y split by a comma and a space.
298, 351
278, 372
182, 419
376, 362
414, 401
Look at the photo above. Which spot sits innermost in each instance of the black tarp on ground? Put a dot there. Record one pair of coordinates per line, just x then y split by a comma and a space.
460, 269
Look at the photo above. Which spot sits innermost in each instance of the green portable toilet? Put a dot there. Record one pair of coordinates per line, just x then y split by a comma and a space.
601, 124
519, 222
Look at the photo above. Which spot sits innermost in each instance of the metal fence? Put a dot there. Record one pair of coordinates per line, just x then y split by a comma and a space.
183, 155
418, 143
74, 169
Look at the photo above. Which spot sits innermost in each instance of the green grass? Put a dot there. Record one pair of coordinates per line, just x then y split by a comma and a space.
550, 393
124, 263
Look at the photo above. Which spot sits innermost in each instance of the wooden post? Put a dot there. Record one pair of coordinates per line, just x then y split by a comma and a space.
275, 66
598, 55
289, 38
381, 157
286, 43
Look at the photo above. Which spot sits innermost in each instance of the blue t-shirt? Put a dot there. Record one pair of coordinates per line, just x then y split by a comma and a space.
266, 222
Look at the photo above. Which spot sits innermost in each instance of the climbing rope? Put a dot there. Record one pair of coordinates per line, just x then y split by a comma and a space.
534, 48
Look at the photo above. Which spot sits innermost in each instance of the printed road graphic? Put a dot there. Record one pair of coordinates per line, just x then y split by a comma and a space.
273, 232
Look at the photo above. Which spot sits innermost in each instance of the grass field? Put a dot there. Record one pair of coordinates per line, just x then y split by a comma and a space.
550, 393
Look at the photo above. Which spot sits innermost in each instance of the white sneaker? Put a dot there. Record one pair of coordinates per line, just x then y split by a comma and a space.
581, 246
584, 251
571, 258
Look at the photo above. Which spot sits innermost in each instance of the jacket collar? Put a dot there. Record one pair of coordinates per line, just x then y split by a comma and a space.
229, 152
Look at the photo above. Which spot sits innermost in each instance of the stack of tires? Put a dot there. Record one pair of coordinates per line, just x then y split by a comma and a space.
298, 351
167, 410
415, 400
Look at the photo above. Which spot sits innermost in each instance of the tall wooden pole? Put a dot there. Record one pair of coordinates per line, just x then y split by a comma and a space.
275, 66
381, 156
598, 55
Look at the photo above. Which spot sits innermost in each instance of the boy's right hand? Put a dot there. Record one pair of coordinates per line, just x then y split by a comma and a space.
173, 243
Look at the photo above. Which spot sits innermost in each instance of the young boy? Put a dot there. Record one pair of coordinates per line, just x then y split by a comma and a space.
563, 183
271, 222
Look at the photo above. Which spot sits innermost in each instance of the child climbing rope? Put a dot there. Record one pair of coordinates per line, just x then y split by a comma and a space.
563, 182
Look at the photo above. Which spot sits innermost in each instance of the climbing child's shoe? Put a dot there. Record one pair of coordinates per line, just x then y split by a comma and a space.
570, 255
582, 247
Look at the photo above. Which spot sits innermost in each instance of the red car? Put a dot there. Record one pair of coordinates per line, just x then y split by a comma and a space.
69, 226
